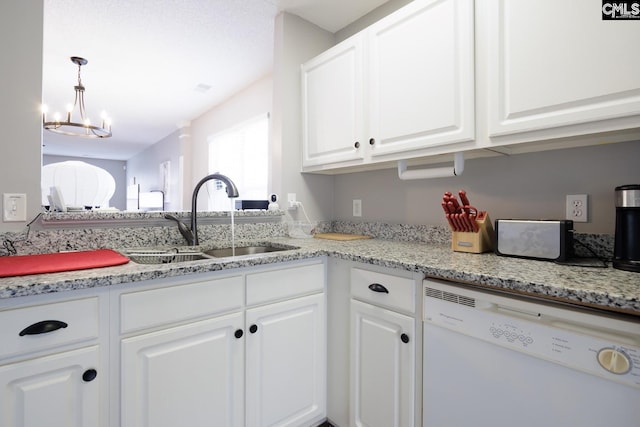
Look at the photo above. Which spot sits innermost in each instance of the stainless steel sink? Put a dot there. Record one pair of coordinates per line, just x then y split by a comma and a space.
246, 250
185, 254
161, 256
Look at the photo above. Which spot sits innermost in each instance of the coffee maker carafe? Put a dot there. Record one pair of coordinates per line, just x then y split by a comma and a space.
626, 252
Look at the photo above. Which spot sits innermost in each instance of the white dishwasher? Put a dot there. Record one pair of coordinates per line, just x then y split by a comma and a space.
501, 361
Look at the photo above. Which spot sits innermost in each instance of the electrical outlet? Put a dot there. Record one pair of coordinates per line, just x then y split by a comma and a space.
577, 207
357, 207
291, 200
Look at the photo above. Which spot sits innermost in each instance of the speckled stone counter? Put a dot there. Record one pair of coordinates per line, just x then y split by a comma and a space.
608, 288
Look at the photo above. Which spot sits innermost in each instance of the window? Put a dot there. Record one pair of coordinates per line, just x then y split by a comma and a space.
241, 153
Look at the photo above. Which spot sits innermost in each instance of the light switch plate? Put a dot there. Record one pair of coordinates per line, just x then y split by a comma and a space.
14, 207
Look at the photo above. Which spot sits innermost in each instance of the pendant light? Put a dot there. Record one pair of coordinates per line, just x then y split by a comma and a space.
83, 127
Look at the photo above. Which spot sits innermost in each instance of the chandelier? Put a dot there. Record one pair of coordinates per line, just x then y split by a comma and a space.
82, 128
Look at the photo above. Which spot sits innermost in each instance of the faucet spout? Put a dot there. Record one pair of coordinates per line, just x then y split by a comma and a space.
232, 191
183, 229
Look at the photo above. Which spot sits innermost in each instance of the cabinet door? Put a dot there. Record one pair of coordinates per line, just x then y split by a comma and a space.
190, 375
383, 373
577, 68
51, 391
332, 105
421, 68
286, 363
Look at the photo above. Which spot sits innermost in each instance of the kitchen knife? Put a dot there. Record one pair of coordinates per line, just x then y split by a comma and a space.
463, 198
447, 215
474, 224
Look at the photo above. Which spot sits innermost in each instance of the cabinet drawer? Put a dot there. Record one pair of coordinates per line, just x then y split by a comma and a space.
155, 307
284, 283
48, 326
384, 289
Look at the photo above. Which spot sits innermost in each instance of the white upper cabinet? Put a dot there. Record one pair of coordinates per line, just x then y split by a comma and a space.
393, 91
556, 65
421, 79
333, 105
443, 76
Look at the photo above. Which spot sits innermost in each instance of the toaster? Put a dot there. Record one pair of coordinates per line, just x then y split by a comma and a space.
536, 239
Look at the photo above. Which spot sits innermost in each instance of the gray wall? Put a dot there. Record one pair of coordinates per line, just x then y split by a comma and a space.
117, 169
145, 169
296, 42
21, 95
524, 186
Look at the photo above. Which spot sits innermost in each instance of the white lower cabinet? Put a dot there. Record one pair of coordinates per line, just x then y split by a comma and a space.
384, 350
382, 367
257, 358
286, 363
59, 390
190, 375
51, 361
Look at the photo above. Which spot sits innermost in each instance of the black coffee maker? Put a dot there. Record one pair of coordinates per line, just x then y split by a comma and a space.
626, 252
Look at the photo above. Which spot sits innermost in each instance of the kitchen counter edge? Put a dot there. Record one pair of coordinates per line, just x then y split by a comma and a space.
603, 288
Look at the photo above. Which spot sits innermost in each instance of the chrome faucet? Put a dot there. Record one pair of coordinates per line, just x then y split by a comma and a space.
191, 235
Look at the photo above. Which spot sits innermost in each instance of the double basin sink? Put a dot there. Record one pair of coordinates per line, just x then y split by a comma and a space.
183, 254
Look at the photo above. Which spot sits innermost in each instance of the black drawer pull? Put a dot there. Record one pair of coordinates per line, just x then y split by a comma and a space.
43, 327
377, 287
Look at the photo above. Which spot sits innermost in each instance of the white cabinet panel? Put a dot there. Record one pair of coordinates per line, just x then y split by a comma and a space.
50, 391
421, 85
386, 290
398, 88
332, 105
383, 367
77, 320
286, 363
189, 375
155, 307
554, 64
284, 283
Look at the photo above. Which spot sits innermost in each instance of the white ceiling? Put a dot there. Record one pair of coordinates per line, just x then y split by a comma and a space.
147, 60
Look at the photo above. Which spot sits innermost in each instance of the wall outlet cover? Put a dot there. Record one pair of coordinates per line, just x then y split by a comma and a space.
14, 207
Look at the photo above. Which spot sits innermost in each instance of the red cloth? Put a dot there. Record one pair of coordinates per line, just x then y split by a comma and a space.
22, 265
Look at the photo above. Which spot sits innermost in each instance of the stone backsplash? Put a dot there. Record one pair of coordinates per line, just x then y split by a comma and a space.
54, 235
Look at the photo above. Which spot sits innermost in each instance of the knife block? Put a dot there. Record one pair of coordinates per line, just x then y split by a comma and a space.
477, 243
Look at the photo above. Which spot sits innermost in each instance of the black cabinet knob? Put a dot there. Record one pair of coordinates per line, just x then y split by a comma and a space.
238, 333
253, 329
89, 375
404, 338
357, 144
43, 327
377, 287
372, 141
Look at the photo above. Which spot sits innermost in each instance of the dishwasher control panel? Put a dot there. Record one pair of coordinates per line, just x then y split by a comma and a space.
584, 341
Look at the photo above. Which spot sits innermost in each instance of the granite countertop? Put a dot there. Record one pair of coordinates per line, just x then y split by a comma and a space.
608, 289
